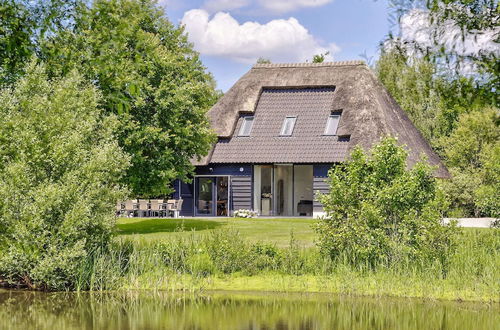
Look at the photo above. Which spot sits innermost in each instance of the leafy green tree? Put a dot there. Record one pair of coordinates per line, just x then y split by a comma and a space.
432, 101
472, 153
16, 29
379, 211
150, 77
23, 26
457, 118
60, 167
147, 71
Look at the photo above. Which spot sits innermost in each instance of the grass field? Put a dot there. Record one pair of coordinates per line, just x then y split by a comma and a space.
269, 230
276, 231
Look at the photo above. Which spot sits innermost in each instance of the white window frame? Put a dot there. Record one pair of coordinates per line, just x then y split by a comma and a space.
284, 126
333, 116
248, 120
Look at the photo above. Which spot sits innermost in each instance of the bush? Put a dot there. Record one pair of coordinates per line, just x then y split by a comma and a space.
378, 210
59, 168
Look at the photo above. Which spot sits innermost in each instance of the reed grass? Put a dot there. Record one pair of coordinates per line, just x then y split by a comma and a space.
223, 260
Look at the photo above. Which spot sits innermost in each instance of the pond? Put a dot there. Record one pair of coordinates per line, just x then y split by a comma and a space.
223, 310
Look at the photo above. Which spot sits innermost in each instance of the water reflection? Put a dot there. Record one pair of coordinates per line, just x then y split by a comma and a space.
165, 310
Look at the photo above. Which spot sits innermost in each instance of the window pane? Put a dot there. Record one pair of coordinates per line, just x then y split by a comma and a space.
288, 125
331, 125
246, 126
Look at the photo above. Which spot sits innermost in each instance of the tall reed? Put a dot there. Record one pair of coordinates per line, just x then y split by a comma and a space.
176, 263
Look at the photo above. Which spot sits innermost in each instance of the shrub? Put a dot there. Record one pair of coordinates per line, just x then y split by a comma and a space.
378, 210
59, 172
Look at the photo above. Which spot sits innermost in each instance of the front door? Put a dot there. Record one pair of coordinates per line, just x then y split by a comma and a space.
212, 196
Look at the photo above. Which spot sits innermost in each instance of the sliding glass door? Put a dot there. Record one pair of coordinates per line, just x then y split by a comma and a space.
283, 190
263, 189
283, 187
212, 196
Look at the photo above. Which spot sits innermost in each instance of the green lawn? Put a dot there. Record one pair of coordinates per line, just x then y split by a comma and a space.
276, 231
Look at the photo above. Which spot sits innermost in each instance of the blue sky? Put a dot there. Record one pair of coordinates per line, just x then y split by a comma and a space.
231, 34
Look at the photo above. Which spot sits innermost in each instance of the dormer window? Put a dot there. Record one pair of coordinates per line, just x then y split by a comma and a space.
288, 125
246, 126
332, 123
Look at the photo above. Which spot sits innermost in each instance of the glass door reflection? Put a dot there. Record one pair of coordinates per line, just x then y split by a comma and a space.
222, 196
205, 196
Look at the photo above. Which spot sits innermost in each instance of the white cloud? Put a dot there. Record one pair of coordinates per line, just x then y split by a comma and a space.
283, 6
213, 6
416, 27
280, 40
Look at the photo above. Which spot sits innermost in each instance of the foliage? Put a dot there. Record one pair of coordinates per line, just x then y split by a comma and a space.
377, 210
149, 76
59, 172
225, 260
472, 152
263, 60
457, 119
320, 58
227, 250
145, 68
15, 43
23, 25
432, 102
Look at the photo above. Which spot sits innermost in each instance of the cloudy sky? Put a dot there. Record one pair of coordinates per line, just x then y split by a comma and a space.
232, 34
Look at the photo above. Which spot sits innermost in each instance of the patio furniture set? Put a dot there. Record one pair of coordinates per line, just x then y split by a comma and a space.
149, 208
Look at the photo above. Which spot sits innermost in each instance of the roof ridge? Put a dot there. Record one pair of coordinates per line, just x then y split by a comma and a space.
307, 64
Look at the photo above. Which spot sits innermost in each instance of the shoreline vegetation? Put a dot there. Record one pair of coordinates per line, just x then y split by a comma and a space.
222, 259
226, 256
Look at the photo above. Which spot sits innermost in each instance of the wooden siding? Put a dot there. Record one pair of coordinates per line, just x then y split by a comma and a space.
241, 191
187, 196
319, 185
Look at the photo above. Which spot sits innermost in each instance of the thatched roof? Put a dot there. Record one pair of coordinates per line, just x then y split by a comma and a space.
368, 114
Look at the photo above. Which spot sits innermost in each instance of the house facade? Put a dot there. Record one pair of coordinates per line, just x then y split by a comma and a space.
281, 127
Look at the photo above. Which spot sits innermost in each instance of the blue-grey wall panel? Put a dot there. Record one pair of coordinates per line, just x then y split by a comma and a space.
176, 188
227, 169
321, 170
187, 195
